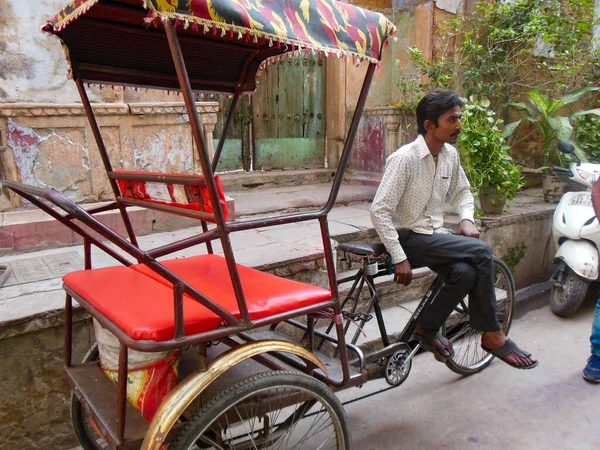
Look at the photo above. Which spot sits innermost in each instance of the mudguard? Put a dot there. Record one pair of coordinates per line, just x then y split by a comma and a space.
189, 389
581, 256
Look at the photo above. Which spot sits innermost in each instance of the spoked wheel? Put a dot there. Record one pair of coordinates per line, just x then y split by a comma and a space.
84, 428
278, 410
469, 357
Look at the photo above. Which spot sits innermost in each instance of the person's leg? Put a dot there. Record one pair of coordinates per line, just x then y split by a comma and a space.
595, 337
459, 280
450, 255
455, 258
439, 250
592, 369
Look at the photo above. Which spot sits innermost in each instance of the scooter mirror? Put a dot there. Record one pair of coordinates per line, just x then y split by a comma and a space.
566, 147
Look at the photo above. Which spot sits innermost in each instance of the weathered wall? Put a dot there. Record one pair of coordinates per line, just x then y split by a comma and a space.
34, 405
524, 243
53, 145
382, 130
416, 21
34, 68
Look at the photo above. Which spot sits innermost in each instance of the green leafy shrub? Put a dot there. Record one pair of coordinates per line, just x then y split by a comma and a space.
484, 152
548, 116
503, 49
587, 136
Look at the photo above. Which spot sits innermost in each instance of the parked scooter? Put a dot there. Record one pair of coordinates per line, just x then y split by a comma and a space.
576, 234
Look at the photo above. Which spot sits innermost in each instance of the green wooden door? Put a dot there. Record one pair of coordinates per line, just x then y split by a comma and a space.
236, 150
288, 115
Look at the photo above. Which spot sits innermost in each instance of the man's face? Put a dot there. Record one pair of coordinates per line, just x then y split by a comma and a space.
448, 126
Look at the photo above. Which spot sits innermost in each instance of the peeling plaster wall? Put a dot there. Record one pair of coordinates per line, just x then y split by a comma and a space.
34, 68
53, 146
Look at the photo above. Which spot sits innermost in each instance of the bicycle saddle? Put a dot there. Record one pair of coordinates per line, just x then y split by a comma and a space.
363, 249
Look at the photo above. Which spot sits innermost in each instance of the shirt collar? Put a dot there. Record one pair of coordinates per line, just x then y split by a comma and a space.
424, 150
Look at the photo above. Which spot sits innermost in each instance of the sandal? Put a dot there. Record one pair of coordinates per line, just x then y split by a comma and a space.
508, 348
426, 340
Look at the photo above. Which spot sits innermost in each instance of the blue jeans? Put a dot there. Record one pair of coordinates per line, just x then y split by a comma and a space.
595, 337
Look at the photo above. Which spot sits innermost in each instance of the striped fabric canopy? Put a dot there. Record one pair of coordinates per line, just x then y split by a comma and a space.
328, 26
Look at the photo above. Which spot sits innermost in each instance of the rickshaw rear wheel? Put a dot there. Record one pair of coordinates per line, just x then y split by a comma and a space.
88, 438
469, 357
281, 409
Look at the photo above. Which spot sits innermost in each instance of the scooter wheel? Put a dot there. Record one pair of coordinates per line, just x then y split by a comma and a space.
565, 299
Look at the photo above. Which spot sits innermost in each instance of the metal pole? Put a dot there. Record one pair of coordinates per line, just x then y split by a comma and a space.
339, 176
122, 394
234, 102
200, 141
104, 155
68, 330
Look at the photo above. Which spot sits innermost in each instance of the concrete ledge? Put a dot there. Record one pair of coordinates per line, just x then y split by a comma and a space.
238, 181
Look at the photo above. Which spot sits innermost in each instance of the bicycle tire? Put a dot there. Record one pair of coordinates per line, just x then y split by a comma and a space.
211, 427
469, 357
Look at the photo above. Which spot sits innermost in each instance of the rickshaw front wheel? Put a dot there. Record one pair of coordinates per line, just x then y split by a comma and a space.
278, 409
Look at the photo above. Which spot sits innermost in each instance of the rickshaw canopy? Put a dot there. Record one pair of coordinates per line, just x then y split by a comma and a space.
224, 42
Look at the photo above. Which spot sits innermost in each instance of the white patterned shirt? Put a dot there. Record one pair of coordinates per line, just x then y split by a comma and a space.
413, 192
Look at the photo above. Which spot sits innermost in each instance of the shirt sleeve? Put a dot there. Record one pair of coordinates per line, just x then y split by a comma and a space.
384, 207
460, 192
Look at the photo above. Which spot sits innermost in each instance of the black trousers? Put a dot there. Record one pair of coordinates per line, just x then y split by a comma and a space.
468, 266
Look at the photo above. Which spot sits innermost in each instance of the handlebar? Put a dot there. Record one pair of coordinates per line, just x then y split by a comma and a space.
564, 170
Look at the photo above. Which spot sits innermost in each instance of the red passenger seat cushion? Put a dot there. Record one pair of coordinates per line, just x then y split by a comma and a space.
172, 194
265, 294
139, 305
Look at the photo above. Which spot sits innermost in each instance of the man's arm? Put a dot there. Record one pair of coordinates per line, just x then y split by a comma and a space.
461, 197
596, 198
384, 206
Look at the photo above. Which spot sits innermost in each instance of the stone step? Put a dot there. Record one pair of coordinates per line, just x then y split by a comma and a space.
241, 180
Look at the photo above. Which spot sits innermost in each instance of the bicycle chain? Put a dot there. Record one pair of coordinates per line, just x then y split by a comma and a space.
347, 402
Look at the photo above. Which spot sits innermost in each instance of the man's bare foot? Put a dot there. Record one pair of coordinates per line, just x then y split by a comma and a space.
441, 345
497, 343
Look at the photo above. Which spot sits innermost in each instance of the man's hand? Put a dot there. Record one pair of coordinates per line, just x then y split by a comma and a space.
403, 273
468, 229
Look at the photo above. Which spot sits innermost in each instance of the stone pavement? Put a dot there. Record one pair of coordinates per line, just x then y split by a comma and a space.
550, 407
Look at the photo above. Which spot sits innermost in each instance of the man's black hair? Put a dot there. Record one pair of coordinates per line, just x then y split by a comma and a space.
433, 105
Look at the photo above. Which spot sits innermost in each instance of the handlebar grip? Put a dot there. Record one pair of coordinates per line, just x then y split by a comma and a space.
562, 170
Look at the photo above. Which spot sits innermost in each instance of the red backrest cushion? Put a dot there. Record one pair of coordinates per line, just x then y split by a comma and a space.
138, 190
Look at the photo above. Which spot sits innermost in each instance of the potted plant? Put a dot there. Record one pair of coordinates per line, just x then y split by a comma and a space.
545, 113
493, 175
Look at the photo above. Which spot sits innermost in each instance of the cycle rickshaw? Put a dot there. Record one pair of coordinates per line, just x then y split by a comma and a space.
151, 304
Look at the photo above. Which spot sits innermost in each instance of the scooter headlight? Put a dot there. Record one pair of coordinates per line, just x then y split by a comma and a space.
589, 177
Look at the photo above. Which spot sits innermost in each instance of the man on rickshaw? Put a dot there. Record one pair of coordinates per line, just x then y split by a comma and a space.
407, 213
